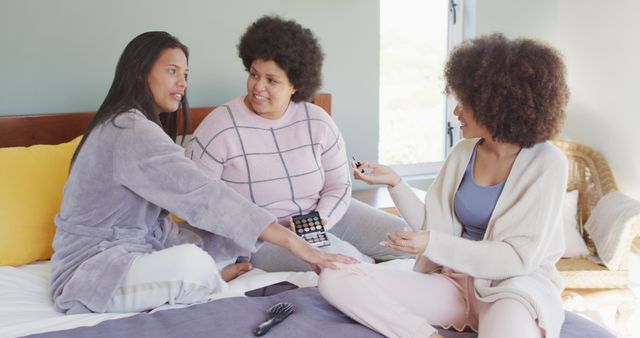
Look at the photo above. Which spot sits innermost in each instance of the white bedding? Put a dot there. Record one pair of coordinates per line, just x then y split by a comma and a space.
26, 306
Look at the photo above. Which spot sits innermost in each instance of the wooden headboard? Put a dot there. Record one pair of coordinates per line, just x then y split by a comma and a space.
26, 130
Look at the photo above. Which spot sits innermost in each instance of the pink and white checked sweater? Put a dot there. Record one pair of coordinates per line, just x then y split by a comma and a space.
290, 166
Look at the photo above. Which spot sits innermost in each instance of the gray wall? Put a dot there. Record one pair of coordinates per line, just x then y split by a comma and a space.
60, 55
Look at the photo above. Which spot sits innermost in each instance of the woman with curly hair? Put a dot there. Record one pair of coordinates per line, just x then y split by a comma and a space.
286, 154
489, 232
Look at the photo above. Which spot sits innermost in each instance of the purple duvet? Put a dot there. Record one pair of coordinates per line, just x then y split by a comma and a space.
235, 317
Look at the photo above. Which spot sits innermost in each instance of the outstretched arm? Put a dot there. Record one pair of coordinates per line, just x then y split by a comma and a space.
279, 235
408, 203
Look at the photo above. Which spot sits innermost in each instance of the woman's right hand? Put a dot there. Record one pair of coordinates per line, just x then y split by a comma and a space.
281, 236
379, 174
316, 258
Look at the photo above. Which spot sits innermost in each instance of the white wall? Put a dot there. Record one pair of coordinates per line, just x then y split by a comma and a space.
600, 44
517, 18
600, 41
60, 55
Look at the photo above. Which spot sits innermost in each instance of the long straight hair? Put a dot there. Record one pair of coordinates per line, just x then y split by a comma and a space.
130, 89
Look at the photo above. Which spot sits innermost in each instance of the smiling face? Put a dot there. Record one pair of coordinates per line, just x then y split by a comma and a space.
468, 124
268, 89
168, 80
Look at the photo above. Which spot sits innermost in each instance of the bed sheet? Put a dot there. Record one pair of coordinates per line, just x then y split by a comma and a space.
26, 306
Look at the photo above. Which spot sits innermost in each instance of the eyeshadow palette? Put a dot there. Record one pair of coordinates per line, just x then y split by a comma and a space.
310, 228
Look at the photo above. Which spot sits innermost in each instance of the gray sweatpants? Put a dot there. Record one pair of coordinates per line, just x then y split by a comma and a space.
357, 234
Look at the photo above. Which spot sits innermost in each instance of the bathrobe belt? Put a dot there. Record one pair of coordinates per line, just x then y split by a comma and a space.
112, 233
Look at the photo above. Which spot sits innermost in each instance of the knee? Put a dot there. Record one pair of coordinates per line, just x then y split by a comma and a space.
508, 318
327, 283
327, 278
194, 264
508, 305
334, 284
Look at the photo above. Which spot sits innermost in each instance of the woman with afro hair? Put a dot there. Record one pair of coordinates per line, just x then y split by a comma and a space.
489, 232
286, 154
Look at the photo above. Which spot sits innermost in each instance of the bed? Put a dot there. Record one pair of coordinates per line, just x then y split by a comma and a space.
26, 308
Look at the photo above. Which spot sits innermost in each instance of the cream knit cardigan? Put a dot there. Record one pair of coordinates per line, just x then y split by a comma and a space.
524, 238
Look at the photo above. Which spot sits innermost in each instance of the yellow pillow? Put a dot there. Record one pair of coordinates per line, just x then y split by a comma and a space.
32, 179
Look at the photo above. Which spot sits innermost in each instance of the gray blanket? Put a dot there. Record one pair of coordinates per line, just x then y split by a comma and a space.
235, 317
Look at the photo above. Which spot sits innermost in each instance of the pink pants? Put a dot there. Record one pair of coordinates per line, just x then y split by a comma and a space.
400, 303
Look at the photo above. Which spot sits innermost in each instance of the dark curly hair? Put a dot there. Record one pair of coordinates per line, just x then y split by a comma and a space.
516, 88
294, 48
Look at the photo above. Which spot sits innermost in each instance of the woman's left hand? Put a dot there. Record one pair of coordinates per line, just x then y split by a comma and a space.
412, 242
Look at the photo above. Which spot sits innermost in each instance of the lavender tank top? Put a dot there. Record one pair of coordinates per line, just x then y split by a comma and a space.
474, 204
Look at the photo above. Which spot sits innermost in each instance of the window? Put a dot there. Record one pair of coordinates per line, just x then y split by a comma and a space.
415, 36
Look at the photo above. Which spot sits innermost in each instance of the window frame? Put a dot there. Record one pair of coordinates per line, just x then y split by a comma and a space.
430, 169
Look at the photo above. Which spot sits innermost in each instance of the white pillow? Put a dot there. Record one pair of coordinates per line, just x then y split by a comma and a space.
573, 242
614, 223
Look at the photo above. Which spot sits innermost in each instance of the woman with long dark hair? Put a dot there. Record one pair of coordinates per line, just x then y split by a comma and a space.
116, 248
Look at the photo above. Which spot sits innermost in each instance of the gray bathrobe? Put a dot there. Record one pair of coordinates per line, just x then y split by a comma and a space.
114, 209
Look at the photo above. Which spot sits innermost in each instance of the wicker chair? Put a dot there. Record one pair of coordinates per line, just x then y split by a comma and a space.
589, 173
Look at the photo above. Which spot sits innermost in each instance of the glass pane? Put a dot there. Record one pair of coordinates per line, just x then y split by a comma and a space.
413, 49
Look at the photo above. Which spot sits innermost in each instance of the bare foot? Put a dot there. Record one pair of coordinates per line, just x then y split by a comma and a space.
436, 335
232, 271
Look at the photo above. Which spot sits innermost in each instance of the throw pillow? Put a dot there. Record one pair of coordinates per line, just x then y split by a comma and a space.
574, 243
32, 182
613, 224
